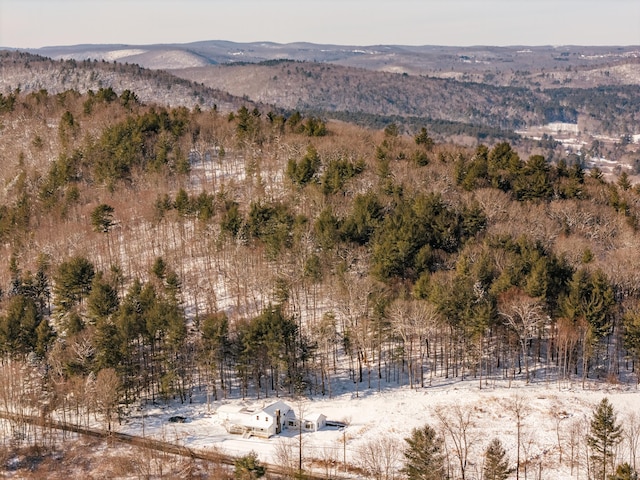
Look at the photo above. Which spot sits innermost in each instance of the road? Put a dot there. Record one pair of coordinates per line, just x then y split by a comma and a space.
148, 443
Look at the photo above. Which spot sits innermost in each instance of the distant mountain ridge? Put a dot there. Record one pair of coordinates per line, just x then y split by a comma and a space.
418, 60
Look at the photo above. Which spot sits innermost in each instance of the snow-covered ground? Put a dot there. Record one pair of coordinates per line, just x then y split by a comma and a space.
555, 417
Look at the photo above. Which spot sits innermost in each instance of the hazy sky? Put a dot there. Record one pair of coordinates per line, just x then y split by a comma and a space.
37, 23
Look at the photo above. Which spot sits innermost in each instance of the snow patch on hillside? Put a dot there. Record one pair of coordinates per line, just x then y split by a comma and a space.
109, 56
167, 60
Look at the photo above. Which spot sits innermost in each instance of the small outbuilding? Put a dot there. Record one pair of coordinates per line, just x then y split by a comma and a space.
314, 422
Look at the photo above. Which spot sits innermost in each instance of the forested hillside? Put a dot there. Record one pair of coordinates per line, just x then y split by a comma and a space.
150, 252
598, 109
30, 73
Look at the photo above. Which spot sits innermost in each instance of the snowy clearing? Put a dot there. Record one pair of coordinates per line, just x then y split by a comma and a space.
551, 413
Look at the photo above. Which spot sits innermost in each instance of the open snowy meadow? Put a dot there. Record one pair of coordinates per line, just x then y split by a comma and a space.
554, 420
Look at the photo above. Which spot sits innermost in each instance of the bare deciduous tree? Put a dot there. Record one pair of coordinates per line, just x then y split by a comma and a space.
354, 305
518, 408
379, 457
414, 320
285, 455
632, 437
459, 431
107, 389
523, 314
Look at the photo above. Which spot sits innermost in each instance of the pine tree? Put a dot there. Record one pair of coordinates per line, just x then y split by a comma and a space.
18, 326
496, 465
45, 335
631, 322
102, 300
108, 351
604, 435
624, 472
424, 459
248, 467
102, 218
73, 282
423, 138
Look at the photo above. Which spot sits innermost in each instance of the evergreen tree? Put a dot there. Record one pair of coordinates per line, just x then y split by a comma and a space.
129, 99
41, 289
44, 337
424, 458
605, 434
232, 219
496, 465
159, 268
306, 170
366, 215
624, 472
18, 326
102, 218
314, 127
173, 286
268, 345
182, 202
623, 181
423, 138
533, 181
102, 300
590, 296
248, 467
327, 229
631, 322
503, 166
73, 282
337, 172
73, 323
106, 340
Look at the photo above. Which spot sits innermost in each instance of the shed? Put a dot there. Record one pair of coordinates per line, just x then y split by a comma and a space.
314, 422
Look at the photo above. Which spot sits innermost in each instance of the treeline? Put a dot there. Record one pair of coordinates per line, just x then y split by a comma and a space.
252, 253
439, 128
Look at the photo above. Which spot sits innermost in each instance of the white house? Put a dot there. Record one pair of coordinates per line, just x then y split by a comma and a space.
261, 422
267, 421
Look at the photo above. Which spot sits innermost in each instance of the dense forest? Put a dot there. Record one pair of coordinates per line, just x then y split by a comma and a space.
149, 253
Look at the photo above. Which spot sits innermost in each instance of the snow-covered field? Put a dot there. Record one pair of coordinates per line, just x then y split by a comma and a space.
554, 421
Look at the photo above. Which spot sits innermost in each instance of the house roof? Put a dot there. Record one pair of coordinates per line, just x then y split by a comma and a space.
279, 405
314, 417
230, 408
